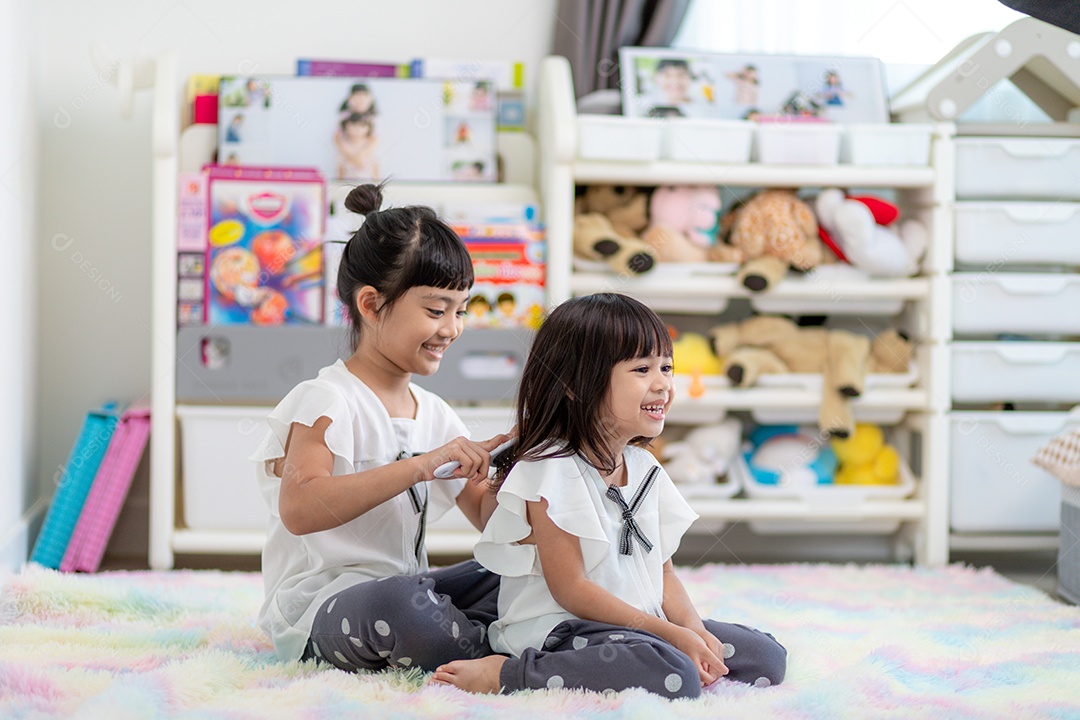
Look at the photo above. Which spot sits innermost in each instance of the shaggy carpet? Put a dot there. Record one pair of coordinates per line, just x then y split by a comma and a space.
864, 642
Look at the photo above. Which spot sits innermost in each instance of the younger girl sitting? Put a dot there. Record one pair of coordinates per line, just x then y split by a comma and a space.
587, 522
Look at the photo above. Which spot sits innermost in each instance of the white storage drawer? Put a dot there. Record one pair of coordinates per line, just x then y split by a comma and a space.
1016, 303
1017, 233
719, 141
994, 486
886, 144
614, 137
1035, 168
220, 491
1016, 371
798, 143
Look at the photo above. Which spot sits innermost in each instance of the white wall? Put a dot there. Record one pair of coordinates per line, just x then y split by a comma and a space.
93, 236
17, 188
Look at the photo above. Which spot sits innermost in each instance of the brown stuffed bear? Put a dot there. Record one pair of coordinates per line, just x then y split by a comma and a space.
769, 344
773, 230
607, 223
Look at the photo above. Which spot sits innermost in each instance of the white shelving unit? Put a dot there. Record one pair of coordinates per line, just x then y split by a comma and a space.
188, 148
922, 302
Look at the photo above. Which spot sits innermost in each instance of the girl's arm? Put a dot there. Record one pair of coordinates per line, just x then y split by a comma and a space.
313, 499
564, 571
680, 610
476, 500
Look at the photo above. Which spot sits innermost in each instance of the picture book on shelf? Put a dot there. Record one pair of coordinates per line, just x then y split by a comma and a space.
357, 129
264, 261
507, 250
345, 68
490, 82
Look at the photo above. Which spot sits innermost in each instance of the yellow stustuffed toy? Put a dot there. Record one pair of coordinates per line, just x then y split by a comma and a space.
865, 458
692, 355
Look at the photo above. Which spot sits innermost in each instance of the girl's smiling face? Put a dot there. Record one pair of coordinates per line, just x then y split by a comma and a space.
639, 397
417, 330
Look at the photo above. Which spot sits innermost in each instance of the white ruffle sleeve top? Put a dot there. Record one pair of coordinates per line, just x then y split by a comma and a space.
301, 571
579, 503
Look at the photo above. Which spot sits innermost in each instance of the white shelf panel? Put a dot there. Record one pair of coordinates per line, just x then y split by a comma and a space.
217, 542
739, 509
996, 542
791, 397
750, 175
709, 289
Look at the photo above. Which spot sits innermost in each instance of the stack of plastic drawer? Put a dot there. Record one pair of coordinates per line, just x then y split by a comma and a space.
1016, 328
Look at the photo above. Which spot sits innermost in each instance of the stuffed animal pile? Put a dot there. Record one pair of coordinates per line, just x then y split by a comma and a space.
771, 344
767, 233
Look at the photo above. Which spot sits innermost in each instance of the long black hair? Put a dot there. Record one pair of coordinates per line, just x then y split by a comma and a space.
564, 386
395, 250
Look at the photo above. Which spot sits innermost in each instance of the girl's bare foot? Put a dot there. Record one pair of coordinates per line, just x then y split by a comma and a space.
475, 676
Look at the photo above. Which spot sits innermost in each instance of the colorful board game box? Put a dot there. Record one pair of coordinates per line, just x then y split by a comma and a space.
264, 262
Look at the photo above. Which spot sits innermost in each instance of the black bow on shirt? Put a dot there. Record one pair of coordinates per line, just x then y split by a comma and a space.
630, 527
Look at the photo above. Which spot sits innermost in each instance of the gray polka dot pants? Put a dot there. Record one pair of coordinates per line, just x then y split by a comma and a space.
600, 657
407, 620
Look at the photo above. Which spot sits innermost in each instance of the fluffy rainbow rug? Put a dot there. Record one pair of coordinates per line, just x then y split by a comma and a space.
864, 642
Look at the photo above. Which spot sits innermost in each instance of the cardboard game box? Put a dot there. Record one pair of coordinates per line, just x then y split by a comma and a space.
264, 262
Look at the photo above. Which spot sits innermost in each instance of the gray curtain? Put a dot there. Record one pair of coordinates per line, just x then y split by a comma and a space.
589, 34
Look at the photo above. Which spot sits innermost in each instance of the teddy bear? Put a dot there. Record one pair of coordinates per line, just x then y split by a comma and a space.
773, 230
607, 223
866, 231
764, 344
684, 223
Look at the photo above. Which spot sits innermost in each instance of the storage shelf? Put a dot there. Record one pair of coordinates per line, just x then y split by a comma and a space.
749, 175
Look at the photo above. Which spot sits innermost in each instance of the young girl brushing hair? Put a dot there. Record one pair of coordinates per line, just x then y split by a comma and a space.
348, 466
587, 522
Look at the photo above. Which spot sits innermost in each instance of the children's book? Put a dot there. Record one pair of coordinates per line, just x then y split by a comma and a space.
73, 482
488, 83
358, 128
108, 492
345, 68
508, 266
264, 262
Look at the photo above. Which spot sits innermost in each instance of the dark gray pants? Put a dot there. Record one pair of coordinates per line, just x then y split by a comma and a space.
596, 656
408, 620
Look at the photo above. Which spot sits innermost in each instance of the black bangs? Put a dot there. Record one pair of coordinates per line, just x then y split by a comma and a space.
631, 330
439, 259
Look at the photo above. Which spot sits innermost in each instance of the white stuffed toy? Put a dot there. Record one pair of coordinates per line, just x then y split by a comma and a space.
704, 454
865, 231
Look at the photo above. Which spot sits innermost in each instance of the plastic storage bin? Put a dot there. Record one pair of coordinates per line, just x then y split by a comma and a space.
994, 486
1016, 303
614, 137
886, 144
719, 141
1046, 372
218, 482
1035, 168
1017, 233
798, 143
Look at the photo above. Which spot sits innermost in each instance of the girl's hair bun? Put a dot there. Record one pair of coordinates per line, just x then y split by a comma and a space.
364, 199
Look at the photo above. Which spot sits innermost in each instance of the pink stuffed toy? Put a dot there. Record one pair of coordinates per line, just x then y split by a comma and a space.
683, 224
